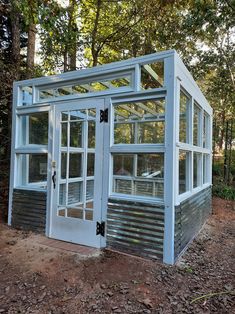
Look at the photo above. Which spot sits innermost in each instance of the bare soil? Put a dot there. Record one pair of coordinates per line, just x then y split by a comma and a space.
39, 279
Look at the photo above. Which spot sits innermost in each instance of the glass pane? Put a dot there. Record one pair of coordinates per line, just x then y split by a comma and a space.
27, 96
183, 171
91, 134
123, 165
75, 165
206, 130
90, 164
64, 134
46, 94
34, 129
142, 174
184, 118
37, 167
124, 133
61, 212
151, 132
65, 116
32, 170
90, 190
139, 122
76, 134
150, 165
75, 192
78, 115
75, 212
152, 75
123, 186
196, 169
88, 87
63, 166
205, 168
62, 194
196, 126
89, 215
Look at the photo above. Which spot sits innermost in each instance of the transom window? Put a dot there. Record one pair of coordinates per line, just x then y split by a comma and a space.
140, 122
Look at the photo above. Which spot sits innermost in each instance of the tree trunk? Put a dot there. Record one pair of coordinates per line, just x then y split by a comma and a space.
94, 34
15, 30
31, 50
73, 34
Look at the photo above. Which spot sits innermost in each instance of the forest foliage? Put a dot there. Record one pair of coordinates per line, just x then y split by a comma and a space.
74, 34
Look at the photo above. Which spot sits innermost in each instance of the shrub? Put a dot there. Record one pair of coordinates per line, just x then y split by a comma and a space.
224, 191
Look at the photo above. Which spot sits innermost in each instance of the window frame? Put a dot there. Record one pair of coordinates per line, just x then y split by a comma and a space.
133, 149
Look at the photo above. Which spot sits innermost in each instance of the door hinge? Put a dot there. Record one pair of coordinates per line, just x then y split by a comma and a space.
100, 228
104, 114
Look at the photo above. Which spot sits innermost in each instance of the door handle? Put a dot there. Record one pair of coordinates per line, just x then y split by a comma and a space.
54, 179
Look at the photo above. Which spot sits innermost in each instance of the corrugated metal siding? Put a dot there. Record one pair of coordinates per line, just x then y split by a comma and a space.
29, 210
190, 215
136, 228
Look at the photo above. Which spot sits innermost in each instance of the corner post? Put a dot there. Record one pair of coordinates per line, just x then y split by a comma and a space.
170, 159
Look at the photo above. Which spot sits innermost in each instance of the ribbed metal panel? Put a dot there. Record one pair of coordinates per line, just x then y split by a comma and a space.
190, 215
29, 210
136, 228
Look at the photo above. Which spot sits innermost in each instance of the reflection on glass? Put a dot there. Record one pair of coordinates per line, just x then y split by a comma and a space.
64, 137
196, 125
142, 174
91, 134
75, 192
27, 95
196, 169
76, 134
205, 168
65, 116
151, 132
37, 167
206, 130
184, 118
89, 215
152, 75
77, 115
75, 212
63, 166
183, 171
90, 164
75, 165
89, 190
124, 133
139, 122
123, 165
62, 194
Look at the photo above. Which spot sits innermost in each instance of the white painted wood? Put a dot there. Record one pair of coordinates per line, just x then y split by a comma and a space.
73, 229
170, 158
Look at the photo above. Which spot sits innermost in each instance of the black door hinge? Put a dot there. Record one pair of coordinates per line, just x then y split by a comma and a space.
100, 228
104, 114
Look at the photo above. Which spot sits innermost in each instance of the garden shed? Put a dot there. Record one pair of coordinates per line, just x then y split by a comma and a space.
117, 156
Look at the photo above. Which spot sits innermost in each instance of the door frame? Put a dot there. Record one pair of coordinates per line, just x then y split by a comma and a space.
51, 154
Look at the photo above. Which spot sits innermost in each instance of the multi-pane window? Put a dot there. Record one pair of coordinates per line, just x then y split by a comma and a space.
184, 123
138, 174
34, 129
86, 87
33, 137
141, 122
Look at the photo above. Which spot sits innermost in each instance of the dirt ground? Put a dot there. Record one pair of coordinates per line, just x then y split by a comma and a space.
39, 279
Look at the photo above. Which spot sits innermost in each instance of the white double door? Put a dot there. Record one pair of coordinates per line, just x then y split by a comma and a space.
77, 164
